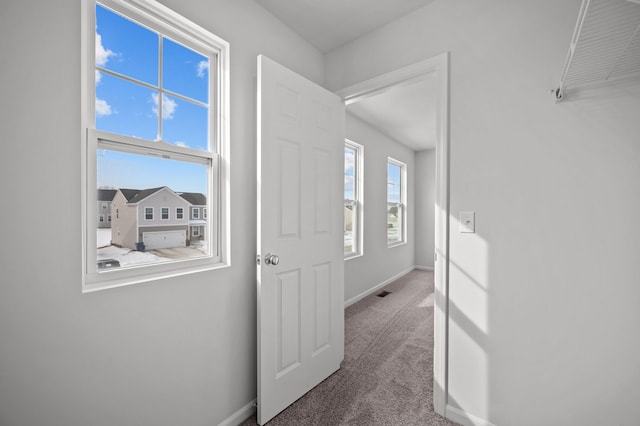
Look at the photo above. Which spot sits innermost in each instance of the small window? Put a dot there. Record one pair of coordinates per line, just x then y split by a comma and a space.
179, 213
109, 218
101, 218
353, 153
164, 212
148, 213
104, 206
204, 213
396, 195
195, 231
195, 213
117, 214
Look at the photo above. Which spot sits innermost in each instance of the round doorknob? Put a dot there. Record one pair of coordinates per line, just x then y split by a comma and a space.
271, 259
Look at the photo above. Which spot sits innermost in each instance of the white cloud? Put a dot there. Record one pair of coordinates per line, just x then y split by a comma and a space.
181, 144
102, 54
98, 76
168, 106
202, 67
103, 109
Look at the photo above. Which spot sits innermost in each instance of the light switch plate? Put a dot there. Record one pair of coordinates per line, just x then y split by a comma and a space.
467, 222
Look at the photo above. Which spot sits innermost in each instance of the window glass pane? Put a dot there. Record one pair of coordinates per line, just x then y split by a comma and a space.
184, 123
125, 170
394, 224
185, 71
126, 47
126, 108
349, 226
393, 183
349, 173
152, 186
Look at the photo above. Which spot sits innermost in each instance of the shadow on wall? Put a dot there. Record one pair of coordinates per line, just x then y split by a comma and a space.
468, 326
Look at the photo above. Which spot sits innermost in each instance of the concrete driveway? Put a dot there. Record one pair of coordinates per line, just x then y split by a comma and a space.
177, 252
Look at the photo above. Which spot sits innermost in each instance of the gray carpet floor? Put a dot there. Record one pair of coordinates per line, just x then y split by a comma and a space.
386, 377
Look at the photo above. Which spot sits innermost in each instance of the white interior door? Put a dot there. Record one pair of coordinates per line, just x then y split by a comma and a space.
300, 236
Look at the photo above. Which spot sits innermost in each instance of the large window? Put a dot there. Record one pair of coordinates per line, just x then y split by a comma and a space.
353, 154
156, 120
396, 196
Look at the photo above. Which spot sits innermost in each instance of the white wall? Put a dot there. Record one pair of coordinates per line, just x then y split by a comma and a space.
545, 301
379, 262
425, 207
179, 351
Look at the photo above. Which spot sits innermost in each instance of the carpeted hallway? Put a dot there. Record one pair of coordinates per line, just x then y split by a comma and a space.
386, 376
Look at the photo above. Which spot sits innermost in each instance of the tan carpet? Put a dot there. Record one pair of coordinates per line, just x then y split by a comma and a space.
386, 377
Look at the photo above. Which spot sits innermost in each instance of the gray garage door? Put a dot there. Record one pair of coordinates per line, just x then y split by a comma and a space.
164, 239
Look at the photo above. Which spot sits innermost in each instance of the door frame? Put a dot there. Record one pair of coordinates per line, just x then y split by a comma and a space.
438, 65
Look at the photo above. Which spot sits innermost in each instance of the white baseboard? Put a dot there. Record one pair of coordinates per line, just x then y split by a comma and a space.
241, 415
424, 268
465, 418
376, 288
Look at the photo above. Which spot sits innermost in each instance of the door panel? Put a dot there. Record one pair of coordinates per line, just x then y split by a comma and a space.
300, 216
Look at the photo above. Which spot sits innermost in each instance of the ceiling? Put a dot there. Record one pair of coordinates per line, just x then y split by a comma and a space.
405, 113
328, 24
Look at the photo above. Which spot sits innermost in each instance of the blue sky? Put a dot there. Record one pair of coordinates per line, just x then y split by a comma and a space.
132, 109
349, 173
393, 183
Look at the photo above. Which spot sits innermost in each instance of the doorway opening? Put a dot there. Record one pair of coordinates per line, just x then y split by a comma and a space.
435, 70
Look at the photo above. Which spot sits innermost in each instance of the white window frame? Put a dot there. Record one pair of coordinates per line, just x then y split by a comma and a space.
179, 213
144, 213
358, 202
195, 231
101, 218
204, 212
108, 218
104, 206
162, 209
157, 16
402, 205
195, 213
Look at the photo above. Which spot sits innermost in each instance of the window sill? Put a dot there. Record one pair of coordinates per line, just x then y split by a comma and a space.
401, 243
121, 278
352, 256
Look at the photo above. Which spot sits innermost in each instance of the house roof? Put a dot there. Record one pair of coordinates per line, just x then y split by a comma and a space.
141, 195
106, 194
135, 195
195, 198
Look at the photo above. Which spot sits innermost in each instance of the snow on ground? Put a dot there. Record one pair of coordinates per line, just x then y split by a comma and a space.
125, 256
128, 257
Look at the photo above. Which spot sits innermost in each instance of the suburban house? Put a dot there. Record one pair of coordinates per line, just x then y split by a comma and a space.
542, 295
156, 217
197, 215
105, 196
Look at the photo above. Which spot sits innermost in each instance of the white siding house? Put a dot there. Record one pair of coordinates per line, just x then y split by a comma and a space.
156, 217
